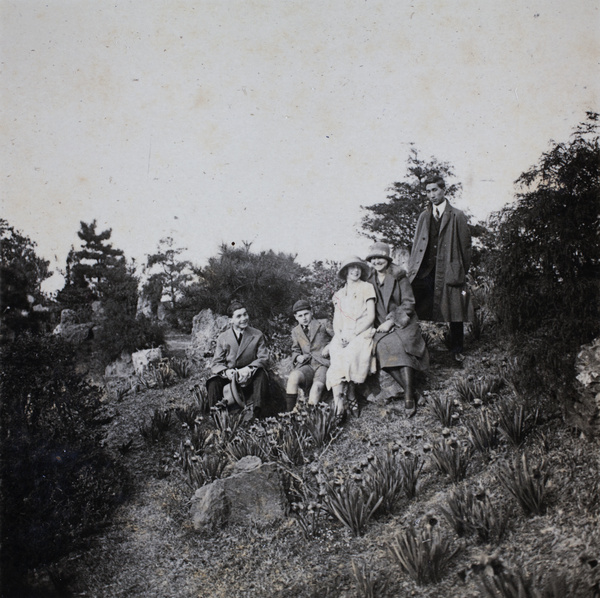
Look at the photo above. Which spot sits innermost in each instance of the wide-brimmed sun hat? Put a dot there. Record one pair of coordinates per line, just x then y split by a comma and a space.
354, 260
379, 250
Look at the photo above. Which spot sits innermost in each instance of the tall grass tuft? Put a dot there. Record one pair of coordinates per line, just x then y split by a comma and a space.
367, 585
350, 504
473, 513
443, 409
526, 483
451, 458
514, 421
483, 432
423, 554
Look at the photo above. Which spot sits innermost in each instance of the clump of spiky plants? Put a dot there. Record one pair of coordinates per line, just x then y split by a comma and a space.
227, 422
161, 375
181, 368
321, 422
464, 389
383, 476
159, 425
188, 414
367, 584
527, 483
514, 421
291, 443
411, 467
444, 409
205, 468
498, 581
308, 514
422, 554
483, 432
471, 512
351, 504
200, 395
249, 442
451, 458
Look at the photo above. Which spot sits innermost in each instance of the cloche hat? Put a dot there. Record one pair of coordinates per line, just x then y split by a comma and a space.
354, 260
379, 250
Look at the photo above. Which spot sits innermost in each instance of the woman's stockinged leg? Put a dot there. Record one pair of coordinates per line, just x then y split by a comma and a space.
339, 398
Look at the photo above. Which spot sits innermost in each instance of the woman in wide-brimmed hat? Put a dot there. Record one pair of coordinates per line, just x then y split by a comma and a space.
351, 349
399, 344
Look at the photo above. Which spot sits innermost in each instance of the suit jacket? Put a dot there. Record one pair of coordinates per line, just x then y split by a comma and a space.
450, 299
318, 337
251, 351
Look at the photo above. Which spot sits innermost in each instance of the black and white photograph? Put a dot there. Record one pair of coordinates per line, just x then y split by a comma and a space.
299, 299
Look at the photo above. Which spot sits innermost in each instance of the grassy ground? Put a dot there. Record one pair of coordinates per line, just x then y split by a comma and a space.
151, 549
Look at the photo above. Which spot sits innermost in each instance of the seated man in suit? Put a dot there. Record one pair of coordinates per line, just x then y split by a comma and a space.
308, 339
240, 360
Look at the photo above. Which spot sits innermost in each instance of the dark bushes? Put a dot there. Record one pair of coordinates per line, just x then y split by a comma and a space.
57, 484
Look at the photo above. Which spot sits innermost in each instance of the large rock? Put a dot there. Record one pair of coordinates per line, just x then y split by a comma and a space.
142, 359
252, 494
206, 326
121, 368
71, 331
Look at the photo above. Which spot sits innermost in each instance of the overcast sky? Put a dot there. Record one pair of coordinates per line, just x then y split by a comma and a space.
273, 121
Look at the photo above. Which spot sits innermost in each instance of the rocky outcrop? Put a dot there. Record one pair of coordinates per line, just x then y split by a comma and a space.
71, 331
142, 359
252, 494
206, 326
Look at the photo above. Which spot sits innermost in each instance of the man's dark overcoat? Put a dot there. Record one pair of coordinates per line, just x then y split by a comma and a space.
451, 300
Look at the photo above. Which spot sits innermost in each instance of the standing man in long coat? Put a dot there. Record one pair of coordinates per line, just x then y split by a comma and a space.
439, 262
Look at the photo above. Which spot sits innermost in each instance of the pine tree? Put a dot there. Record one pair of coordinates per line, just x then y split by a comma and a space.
395, 220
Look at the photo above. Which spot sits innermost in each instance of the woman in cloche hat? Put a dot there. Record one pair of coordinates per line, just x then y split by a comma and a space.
399, 344
351, 349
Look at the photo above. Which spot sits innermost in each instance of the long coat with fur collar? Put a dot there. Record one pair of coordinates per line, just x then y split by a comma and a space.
404, 344
451, 301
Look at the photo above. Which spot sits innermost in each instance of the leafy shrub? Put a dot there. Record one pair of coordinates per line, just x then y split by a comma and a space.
206, 469
57, 484
422, 554
121, 331
546, 262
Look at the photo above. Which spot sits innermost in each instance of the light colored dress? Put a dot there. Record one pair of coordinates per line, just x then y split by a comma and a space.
355, 361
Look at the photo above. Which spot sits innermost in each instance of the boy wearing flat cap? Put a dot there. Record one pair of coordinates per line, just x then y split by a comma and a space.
310, 367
